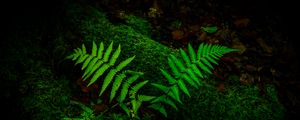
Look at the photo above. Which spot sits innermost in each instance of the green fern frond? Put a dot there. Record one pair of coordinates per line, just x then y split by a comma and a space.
87, 61
159, 108
100, 50
196, 70
168, 76
83, 49
84, 107
136, 99
192, 53
81, 59
136, 87
116, 85
173, 68
107, 80
136, 102
114, 57
96, 63
124, 63
135, 106
183, 87
165, 99
185, 57
193, 76
127, 83
145, 97
161, 87
190, 69
94, 49
169, 91
175, 92
107, 52
178, 63
189, 80
101, 62
98, 73
112, 72
125, 108
92, 68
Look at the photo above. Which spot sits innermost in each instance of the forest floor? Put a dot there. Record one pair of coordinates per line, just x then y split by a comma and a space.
267, 55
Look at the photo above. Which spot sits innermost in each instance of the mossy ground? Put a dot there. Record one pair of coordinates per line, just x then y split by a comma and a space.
47, 81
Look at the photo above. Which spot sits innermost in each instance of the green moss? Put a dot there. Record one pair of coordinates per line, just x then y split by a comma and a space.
139, 24
237, 103
47, 98
150, 55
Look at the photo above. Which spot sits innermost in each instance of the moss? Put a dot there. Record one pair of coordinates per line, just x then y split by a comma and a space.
46, 98
150, 55
237, 103
139, 25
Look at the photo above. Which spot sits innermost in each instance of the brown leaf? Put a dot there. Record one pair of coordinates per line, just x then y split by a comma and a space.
221, 87
246, 79
250, 68
238, 45
203, 36
264, 46
177, 35
241, 23
99, 108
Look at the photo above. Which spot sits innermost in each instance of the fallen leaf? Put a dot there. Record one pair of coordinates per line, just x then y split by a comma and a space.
241, 23
221, 87
202, 36
250, 68
246, 79
99, 108
264, 46
238, 45
177, 35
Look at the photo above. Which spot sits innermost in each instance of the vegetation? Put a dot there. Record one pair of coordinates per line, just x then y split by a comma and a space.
146, 79
191, 71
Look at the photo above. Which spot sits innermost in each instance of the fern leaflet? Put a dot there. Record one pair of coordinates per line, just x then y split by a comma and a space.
191, 69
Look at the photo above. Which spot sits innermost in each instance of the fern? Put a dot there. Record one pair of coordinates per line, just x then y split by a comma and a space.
190, 70
99, 62
86, 115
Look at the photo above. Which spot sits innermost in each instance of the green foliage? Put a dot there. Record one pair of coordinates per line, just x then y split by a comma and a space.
93, 25
206, 103
210, 29
99, 62
87, 113
138, 24
177, 24
189, 71
96, 63
236, 103
47, 97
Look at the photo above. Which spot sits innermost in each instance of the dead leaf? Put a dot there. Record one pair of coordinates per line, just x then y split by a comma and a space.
250, 68
264, 46
213, 41
177, 35
202, 36
246, 79
238, 45
221, 87
99, 108
241, 23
